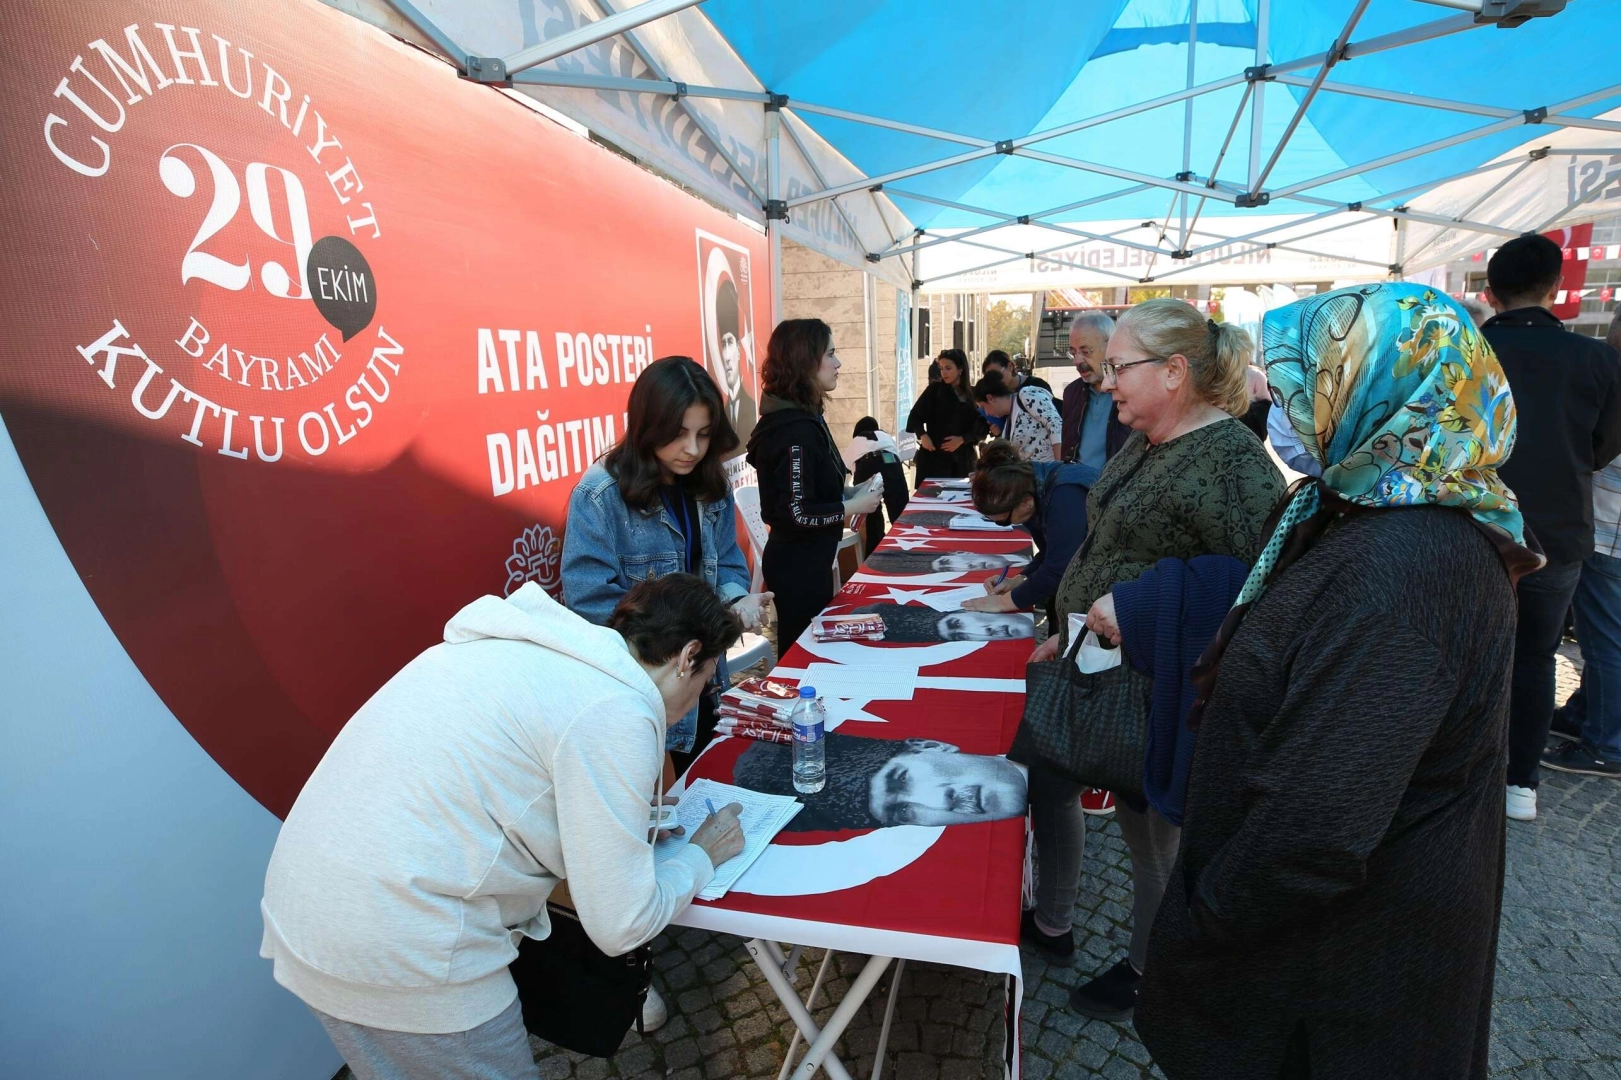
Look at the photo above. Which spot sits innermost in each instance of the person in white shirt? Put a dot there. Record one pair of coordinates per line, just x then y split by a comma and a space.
523, 751
1029, 418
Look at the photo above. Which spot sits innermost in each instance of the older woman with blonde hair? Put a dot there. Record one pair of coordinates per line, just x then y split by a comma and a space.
1191, 480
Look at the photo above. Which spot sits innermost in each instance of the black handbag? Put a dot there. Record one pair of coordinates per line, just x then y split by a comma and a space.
575, 995
1092, 729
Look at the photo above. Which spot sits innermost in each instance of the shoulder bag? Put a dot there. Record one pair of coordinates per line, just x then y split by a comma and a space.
575, 995
1091, 728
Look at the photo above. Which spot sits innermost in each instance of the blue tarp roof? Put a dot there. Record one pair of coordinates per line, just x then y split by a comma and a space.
1003, 71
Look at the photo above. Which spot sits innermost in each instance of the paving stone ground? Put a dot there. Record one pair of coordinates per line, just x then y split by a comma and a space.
1557, 1015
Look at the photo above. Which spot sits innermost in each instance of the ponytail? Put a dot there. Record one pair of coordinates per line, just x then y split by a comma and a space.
1218, 354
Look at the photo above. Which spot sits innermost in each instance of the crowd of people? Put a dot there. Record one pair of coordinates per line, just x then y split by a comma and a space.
1352, 675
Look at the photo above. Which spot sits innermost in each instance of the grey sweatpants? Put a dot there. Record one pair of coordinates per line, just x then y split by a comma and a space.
1060, 829
497, 1049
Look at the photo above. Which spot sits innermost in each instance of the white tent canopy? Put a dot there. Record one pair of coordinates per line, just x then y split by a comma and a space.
973, 148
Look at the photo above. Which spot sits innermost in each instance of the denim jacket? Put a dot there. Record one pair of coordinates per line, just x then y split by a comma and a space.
608, 547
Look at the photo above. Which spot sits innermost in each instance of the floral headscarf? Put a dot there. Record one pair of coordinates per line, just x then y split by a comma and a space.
1394, 391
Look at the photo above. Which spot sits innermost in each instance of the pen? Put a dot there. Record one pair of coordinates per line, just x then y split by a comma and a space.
1002, 576
711, 804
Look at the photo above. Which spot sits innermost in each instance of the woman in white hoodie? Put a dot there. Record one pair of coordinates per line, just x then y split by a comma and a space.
522, 751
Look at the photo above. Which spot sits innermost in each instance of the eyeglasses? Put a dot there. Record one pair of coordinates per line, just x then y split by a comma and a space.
1110, 370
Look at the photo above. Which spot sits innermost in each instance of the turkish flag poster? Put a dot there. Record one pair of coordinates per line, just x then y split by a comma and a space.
308, 340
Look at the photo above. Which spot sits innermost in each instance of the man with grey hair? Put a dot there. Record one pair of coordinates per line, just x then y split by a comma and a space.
1092, 428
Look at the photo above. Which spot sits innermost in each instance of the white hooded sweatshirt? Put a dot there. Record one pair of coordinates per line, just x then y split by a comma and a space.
523, 751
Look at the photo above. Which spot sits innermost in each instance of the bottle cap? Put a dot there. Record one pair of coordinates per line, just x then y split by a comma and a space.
807, 691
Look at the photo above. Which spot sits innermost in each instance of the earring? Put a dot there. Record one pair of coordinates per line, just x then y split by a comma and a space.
681, 674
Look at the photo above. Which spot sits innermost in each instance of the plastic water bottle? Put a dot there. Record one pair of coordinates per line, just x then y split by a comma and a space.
810, 749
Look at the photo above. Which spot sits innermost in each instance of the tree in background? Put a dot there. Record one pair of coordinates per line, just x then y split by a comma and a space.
1007, 328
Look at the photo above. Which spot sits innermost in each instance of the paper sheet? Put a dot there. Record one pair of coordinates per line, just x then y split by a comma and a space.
763, 818
977, 522
950, 483
883, 679
951, 599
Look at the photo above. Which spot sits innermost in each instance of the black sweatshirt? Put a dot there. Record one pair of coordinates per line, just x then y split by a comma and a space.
1567, 394
802, 473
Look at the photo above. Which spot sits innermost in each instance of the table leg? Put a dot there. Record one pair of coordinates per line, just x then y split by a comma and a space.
810, 1005
889, 1017
761, 950
821, 1046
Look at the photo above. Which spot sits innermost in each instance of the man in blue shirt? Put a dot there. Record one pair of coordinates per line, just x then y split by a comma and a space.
1092, 428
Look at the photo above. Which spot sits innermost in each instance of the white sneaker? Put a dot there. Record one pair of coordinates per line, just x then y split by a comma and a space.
1522, 803
654, 1012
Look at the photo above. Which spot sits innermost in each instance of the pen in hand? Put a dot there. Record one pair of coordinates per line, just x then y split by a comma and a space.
711, 804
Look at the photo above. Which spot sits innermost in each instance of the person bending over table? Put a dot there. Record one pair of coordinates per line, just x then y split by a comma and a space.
876, 783
1048, 499
1191, 480
659, 503
803, 496
521, 752
1029, 419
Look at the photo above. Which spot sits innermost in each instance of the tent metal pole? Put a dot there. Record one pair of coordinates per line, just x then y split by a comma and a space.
1221, 155
592, 33
665, 87
1263, 19
1453, 24
773, 185
431, 31
1400, 250
1448, 105
1415, 215
1025, 255
1290, 245
1187, 116
1035, 219
1269, 230
899, 174
1400, 156
892, 125
918, 197
698, 121
1466, 211
1109, 170
1442, 144
1130, 110
820, 179
1333, 58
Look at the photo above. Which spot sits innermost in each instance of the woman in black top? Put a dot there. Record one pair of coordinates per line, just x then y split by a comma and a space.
803, 497
947, 424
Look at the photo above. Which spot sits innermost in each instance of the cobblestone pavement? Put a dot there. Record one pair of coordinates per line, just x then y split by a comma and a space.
1558, 1011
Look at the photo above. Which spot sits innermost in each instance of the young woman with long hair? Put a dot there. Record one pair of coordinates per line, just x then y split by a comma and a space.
946, 422
803, 495
659, 503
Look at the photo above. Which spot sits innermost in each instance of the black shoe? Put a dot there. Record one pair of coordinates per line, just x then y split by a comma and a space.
1578, 757
1565, 726
1060, 946
1110, 996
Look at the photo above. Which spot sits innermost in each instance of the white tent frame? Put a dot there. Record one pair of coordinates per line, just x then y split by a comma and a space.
520, 68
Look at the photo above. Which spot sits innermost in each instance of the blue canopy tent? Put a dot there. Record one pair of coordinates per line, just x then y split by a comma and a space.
933, 141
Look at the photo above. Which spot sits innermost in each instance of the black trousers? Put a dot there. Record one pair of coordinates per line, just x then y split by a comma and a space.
1544, 598
800, 573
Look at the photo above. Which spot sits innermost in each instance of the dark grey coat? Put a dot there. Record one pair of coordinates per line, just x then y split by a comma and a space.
1336, 899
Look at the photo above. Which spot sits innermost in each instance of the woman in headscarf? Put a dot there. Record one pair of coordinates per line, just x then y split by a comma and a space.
1334, 910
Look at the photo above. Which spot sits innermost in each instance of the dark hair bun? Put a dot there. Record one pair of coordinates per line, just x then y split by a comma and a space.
996, 453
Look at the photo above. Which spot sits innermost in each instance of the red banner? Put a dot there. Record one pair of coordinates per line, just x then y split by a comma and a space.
309, 340
1573, 243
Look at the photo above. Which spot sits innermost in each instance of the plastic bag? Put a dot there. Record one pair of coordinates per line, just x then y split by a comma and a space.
1093, 656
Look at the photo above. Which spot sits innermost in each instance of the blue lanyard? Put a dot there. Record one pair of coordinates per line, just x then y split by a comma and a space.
686, 525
